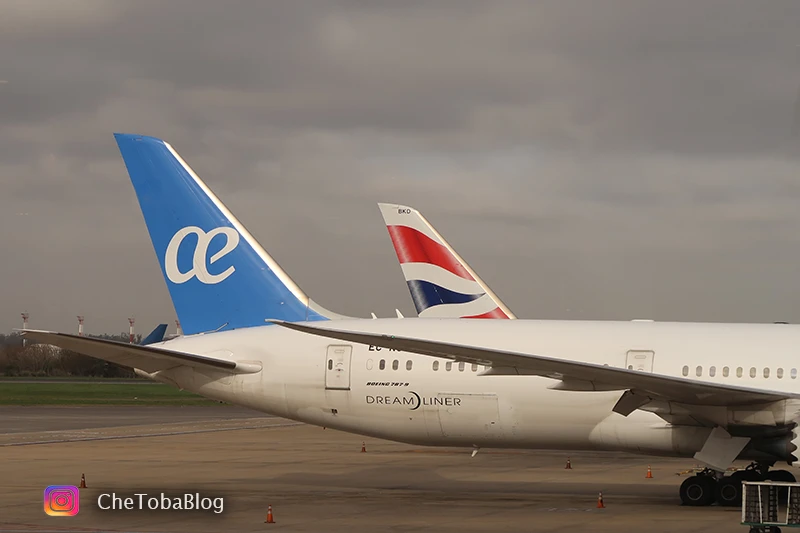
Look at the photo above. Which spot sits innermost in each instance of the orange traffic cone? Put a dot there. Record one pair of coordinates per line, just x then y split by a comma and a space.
83, 482
649, 473
269, 519
600, 504
363, 447
569, 465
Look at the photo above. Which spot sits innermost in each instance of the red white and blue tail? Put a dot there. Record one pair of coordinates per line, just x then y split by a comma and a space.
442, 284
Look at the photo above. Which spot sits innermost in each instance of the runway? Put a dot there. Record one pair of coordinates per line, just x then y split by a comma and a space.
19, 419
319, 480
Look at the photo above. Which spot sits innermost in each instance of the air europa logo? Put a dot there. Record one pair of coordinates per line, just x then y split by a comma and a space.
414, 401
199, 269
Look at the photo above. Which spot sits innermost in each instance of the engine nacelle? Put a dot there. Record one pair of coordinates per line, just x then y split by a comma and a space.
782, 443
793, 411
794, 445
780, 448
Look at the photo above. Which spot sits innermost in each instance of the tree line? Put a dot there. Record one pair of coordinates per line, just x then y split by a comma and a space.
18, 359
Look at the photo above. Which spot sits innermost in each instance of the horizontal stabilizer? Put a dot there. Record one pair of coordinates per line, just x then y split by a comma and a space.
147, 358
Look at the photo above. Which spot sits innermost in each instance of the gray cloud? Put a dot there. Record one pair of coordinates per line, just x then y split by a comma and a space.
591, 160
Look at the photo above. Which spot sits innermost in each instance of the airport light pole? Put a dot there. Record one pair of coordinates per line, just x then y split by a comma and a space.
25, 317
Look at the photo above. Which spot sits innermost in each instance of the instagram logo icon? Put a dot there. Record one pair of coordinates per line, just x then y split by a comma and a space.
61, 500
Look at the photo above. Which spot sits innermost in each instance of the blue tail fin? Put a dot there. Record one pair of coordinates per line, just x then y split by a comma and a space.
218, 276
157, 335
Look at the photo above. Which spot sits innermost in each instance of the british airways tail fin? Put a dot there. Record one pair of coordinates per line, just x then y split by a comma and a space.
218, 276
442, 284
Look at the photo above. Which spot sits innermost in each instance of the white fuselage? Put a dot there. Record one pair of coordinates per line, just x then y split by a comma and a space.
429, 401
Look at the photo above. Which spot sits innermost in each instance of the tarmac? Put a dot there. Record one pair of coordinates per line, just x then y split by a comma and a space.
317, 479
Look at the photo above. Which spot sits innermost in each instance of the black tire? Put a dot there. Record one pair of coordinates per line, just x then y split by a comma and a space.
747, 475
780, 475
698, 491
729, 492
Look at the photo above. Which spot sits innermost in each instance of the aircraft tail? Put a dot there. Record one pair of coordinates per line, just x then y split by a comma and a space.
219, 277
441, 283
157, 335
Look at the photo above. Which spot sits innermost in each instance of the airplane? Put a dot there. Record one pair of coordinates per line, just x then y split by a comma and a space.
252, 337
441, 283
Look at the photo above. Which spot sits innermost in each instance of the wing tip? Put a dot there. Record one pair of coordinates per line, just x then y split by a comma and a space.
24, 332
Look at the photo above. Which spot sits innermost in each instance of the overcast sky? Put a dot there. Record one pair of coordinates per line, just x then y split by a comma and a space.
590, 159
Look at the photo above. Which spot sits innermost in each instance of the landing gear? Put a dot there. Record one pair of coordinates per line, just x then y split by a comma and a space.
709, 486
729, 492
780, 475
698, 490
729, 488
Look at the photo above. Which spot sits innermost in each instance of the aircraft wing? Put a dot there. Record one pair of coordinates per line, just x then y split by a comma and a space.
147, 358
642, 387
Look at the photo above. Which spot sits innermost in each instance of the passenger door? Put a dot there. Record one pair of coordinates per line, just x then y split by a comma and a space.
337, 367
641, 360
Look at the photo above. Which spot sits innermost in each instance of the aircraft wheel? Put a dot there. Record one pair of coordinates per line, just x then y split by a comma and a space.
747, 475
698, 491
780, 475
729, 492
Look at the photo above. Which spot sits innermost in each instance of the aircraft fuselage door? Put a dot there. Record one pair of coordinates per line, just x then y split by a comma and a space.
337, 367
641, 360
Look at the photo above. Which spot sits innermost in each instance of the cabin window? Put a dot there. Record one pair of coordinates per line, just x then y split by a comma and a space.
330, 364
382, 364
448, 366
461, 366
779, 373
474, 367
739, 372
369, 364
685, 370
793, 373
766, 372
712, 371
752, 371
725, 371
408, 364
698, 371
395, 364
436, 365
